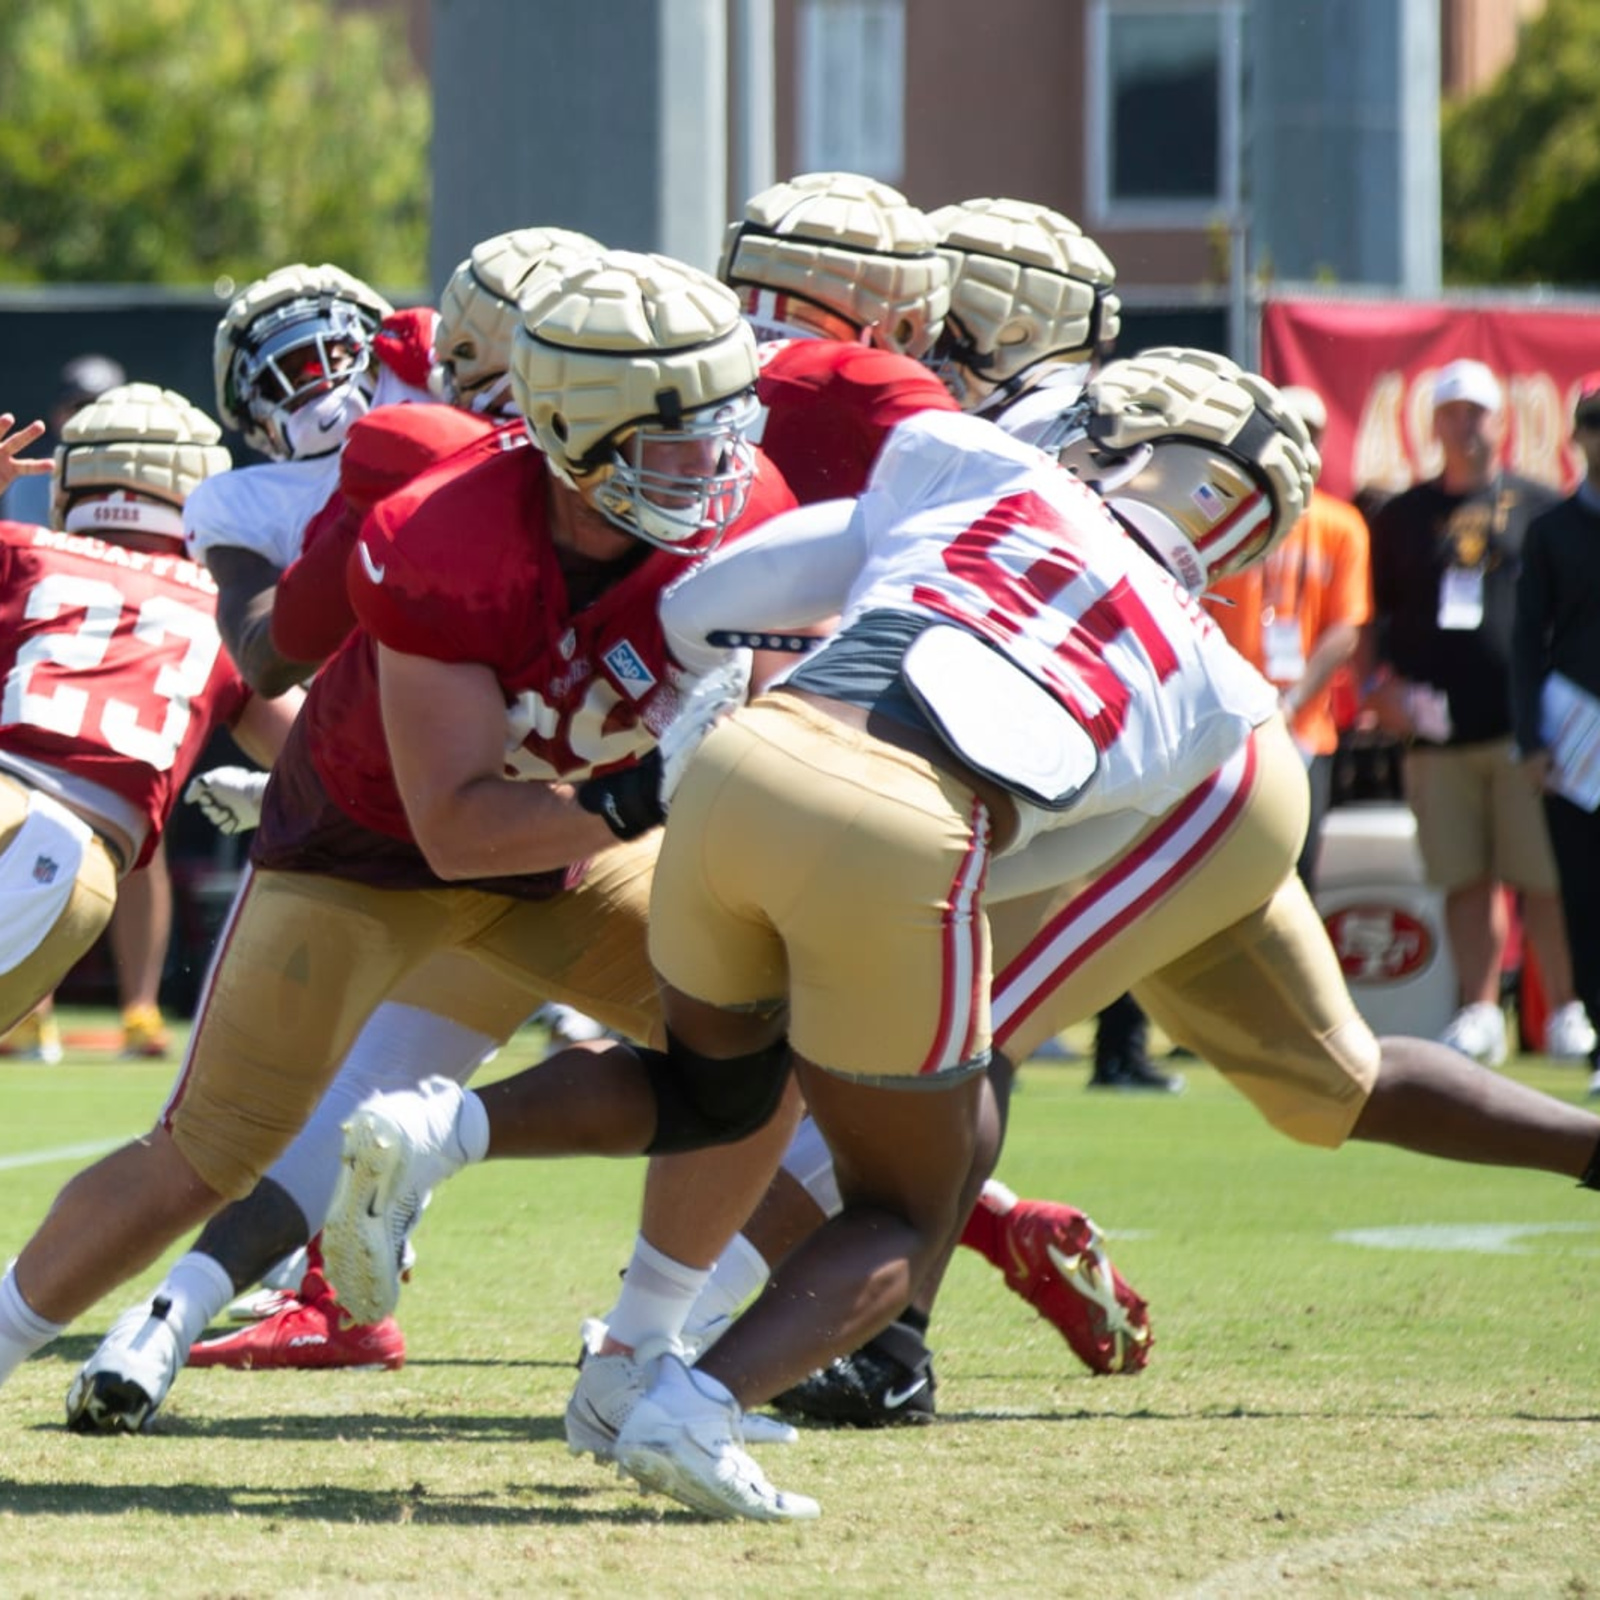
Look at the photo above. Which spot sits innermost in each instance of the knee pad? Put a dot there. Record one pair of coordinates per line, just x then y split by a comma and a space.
701, 1101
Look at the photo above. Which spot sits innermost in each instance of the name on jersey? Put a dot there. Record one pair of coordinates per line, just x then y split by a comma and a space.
159, 565
626, 665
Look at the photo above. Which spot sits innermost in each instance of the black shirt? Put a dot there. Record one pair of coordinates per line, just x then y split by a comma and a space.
1417, 537
1557, 625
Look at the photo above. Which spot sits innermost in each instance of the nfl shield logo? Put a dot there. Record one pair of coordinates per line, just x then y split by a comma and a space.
45, 870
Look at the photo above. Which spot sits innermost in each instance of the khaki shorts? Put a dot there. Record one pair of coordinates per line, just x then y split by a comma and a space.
1205, 920
807, 859
304, 960
1477, 818
82, 920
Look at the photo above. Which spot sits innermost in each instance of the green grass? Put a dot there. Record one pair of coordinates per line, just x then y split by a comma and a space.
1319, 1418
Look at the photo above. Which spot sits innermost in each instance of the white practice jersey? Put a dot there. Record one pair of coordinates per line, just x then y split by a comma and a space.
1035, 415
267, 507
965, 525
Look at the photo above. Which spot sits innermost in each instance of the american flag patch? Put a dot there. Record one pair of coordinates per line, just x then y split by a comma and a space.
45, 869
627, 666
1211, 504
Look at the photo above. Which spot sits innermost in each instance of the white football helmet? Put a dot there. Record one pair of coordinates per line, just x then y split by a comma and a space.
1202, 459
139, 449
1028, 288
635, 375
478, 312
841, 256
298, 341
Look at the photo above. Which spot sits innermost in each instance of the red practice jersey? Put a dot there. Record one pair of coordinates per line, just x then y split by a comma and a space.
459, 566
386, 449
115, 675
829, 407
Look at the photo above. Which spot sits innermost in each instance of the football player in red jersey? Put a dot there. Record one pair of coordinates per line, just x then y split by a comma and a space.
839, 276
518, 680
452, 1012
114, 676
841, 281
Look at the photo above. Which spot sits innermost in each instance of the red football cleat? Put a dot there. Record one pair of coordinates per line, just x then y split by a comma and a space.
312, 1331
1053, 1256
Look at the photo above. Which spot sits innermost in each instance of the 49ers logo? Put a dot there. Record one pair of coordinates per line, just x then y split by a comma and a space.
1379, 943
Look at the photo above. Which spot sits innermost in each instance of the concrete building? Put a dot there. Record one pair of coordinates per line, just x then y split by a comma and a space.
1205, 143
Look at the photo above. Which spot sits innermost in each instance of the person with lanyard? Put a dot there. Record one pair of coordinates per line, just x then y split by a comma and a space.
1445, 556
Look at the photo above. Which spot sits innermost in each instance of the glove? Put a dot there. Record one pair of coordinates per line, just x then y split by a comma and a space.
230, 797
628, 799
720, 691
404, 344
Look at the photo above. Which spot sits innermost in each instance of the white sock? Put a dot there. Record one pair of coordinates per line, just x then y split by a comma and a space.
740, 1272
657, 1295
196, 1290
22, 1329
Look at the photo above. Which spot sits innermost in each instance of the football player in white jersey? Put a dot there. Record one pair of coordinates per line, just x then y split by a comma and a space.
1032, 305
994, 629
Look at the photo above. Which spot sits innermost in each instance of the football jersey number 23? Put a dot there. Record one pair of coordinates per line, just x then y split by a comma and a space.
165, 686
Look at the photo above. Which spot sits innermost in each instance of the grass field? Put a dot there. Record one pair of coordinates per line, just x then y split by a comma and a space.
1333, 1407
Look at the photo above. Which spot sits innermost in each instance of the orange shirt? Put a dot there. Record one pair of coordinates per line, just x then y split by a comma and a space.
1319, 576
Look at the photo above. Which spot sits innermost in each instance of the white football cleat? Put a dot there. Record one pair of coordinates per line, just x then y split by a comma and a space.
1478, 1031
121, 1386
607, 1390
610, 1386
1567, 1033
397, 1148
684, 1439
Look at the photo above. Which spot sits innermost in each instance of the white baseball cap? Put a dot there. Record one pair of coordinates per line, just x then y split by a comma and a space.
1466, 380
1307, 405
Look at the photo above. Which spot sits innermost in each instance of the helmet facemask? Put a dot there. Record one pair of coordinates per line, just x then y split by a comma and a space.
679, 488
303, 374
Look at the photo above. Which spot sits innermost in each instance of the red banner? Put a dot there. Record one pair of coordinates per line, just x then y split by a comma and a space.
1373, 363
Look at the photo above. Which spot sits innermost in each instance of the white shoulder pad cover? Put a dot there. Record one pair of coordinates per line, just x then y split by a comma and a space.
1000, 721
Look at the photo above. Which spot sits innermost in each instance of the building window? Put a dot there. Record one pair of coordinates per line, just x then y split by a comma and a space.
1165, 89
852, 87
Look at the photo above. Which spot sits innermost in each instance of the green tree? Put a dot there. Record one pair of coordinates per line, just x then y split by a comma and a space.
1521, 161
182, 141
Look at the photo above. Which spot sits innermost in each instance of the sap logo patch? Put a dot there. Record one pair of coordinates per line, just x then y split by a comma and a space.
626, 665
1210, 502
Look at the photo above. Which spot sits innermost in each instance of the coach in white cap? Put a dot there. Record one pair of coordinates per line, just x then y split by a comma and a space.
1445, 557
